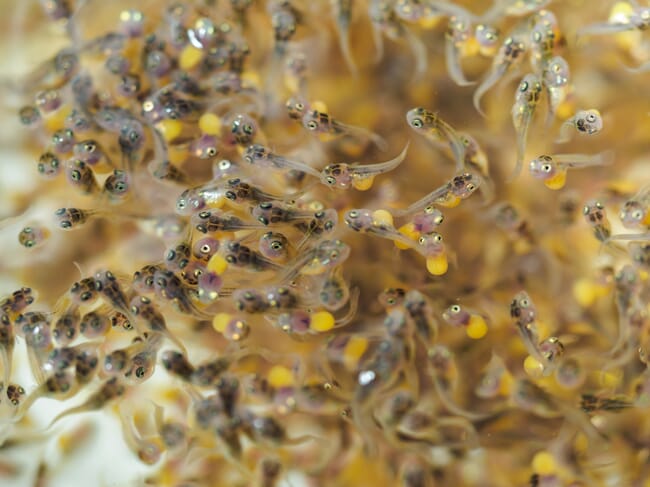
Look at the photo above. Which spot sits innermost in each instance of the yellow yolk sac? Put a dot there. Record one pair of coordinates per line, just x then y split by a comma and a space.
210, 124
217, 264
322, 321
477, 327
437, 265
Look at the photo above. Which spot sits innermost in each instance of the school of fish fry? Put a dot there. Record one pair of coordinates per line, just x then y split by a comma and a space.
330, 243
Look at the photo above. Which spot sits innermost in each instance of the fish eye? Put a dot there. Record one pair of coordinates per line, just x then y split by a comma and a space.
591, 118
454, 308
211, 151
637, 215
205, 248
75, 175
546, 167
471, 187
140, 372
89, 147
311, 125
248, 129
524, 303
353, 214
417, 123
523, 86
330, 180
300, 106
